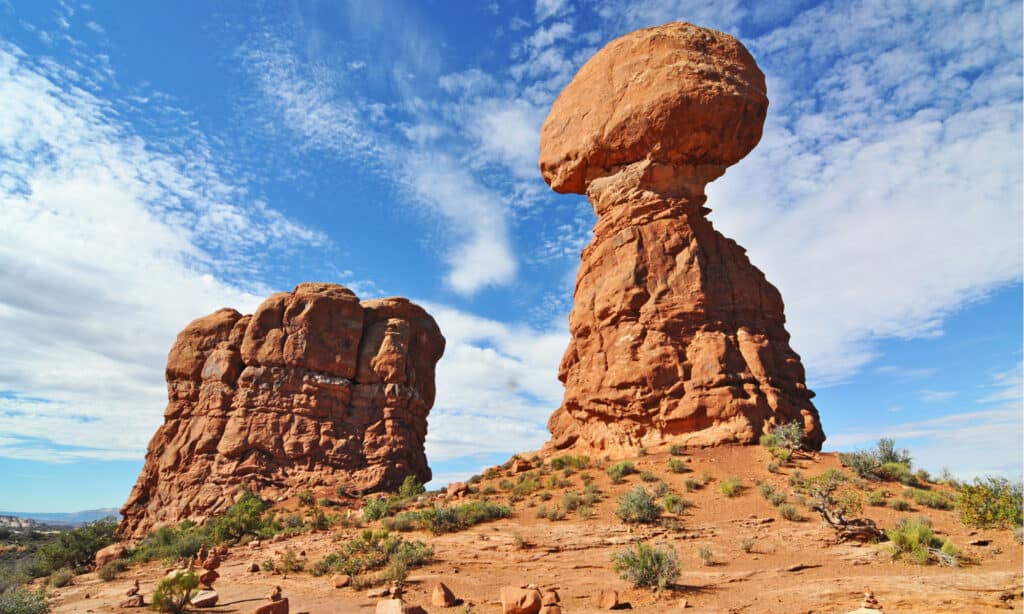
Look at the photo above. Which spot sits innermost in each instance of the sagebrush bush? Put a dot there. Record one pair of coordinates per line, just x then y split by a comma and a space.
934, 499
877, 498
371, 551
559, 463
676, 450
19, 600
901, 505
620, 470
747, 544
789, 512
915, 540
647, 566
991, 502
731, 487
440, 520
691, 484
638, 506
677, 465
783, 440
707, 557
305, 497
173, 594
862, 462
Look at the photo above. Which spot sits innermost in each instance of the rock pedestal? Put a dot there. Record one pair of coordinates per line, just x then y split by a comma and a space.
676, 336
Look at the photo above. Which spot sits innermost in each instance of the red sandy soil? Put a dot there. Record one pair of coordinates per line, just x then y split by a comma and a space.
794, 566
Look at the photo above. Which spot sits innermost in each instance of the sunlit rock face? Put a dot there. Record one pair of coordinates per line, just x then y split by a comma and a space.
676, 337
315, 388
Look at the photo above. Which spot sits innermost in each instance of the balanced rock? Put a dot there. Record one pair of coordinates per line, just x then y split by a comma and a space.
675, 336
314, 388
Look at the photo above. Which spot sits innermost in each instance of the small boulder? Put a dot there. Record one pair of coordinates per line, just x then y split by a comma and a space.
457, 489
274, 607
443, 596
608, 599
254, 567
208, 578
397, 606
341, 580
205, 599
516, 600
521, 465
550, 597
110, 553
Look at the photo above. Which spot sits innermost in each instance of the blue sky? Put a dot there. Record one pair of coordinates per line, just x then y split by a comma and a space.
158, 162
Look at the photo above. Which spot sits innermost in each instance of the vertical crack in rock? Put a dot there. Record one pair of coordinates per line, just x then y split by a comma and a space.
315, 388
676, 336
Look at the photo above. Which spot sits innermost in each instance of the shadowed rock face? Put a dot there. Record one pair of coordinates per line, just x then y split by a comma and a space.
676, 336
315, 388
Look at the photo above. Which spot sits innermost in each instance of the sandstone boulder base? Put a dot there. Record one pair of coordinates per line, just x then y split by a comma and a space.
315, 388
676, 336
516, 600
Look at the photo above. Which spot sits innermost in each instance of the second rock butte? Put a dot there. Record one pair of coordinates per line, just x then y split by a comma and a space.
676, 336
313, 389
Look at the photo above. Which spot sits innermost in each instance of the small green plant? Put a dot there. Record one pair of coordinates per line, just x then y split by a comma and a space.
731, 487
901, 505
19, 600
571, 501
75, 549
638, 506
691, 484
267, 565
306, 497
620, 470
934, 499
375, 508
110, 569
647, 476
877, 498
174, 593
661, 489
790, 512
61, 577
772, 467
677, 465
647, 566
341, 490
519, 542
783, 440
747, 544
559, 463
411, 487
706, 556
991, 502
371, 551
676, 450
290, 560
914, 540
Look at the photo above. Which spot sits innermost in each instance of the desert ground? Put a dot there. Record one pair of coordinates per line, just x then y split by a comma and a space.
760, 562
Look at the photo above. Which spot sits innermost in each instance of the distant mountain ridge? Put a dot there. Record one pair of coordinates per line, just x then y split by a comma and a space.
68, 518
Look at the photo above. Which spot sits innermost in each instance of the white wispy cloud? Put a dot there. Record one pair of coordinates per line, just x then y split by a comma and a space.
106, 249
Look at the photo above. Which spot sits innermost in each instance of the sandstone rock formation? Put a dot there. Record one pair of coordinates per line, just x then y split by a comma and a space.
676, 336
315, 388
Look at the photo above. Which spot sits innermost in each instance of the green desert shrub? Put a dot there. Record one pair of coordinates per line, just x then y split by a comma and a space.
648, 476
675, 504
914, 540
731, 487
901, 505
173, 594
306, 497
772, 467
862, 462
581, 462
877, 498
375, 508
62, 577
706, 556
620, 470
440, 520
677, 465
747, 544
75, 549
934, 499
110, 569
638, 506
783, 440
19, 600
676, 450
647, 566
372, 551
411, 487
692, 484
790, 512
991, 502
246, 517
